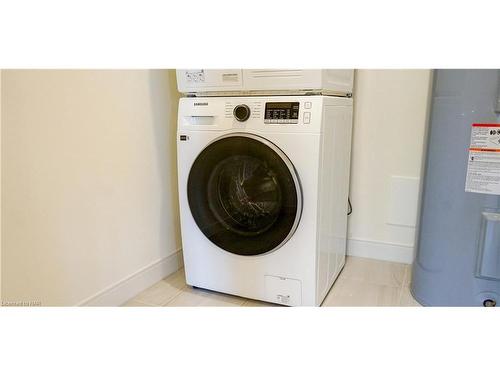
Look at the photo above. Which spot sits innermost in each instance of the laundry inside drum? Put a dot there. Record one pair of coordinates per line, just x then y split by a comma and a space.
248, 195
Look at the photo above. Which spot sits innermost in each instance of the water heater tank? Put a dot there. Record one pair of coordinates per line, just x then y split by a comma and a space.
458, 247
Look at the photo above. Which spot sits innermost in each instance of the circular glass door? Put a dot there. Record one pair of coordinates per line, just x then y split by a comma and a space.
244, 194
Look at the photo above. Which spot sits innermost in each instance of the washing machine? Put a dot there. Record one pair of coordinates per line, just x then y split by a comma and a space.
263, 189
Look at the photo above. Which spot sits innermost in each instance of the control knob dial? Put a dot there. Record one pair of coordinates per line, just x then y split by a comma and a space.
241, 112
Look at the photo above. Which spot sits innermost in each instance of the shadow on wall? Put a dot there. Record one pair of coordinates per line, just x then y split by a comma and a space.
164, 100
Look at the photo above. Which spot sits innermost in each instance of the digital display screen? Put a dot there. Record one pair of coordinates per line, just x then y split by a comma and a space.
280, 105
282, 112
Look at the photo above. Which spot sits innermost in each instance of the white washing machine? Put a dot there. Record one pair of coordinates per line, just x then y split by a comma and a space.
263, 185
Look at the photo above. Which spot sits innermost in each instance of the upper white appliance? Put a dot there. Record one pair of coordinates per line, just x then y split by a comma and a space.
213, 82
263, 187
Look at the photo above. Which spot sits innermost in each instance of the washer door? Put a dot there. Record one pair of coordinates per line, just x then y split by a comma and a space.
244, 194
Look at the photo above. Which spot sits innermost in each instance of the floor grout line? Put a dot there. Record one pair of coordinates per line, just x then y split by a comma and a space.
173, 297
401, 289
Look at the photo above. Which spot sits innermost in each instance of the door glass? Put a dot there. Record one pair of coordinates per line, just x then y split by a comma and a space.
243, 195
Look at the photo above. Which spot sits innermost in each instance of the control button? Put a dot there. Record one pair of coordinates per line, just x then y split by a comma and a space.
241, 112
189, 78
307, 117
307, 105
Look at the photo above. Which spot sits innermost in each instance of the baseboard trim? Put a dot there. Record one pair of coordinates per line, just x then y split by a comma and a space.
127, 288
380, 250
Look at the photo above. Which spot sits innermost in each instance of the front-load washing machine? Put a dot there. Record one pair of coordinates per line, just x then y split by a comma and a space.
263, 186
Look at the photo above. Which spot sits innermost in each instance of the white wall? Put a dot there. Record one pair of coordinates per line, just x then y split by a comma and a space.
89, 211
390, 116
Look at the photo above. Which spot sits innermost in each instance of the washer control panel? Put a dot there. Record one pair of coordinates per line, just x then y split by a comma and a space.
282, 113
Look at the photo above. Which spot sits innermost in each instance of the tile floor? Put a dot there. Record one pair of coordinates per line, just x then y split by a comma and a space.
363, 282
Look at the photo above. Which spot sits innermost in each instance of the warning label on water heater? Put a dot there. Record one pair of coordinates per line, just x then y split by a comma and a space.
483, 170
